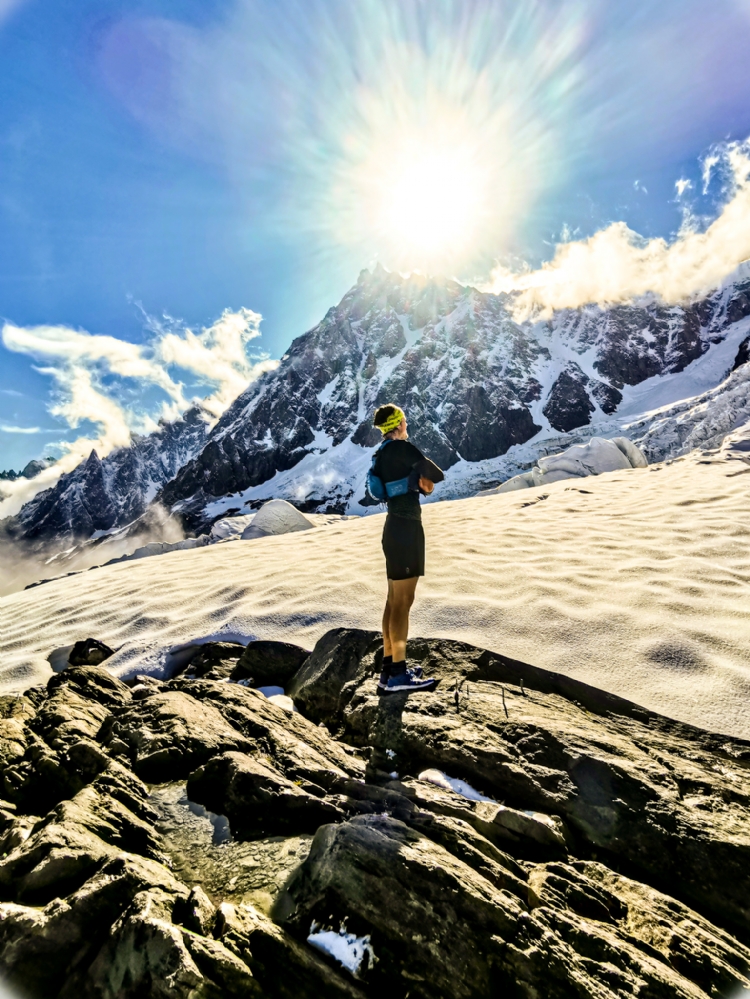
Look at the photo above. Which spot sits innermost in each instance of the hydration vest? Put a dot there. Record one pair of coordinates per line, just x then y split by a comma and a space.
382, 491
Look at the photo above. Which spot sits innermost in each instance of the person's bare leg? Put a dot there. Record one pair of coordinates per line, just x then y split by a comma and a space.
400, 599
387, 650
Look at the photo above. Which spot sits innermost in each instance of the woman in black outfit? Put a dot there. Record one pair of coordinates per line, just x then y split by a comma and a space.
399, 462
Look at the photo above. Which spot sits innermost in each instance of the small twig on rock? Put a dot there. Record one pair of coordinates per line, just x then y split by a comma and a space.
505, 709
523, 692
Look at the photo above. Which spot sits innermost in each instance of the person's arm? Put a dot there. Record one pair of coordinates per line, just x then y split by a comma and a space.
424, 475
429, 470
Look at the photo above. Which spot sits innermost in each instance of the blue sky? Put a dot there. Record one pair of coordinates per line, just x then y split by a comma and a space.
186, 159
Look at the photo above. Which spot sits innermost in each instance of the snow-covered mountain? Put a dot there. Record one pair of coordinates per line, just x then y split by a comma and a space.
485, 395
104, 494
474, 381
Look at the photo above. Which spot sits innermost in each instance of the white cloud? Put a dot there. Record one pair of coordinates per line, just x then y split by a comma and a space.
6, 429
219, 354
617, 265
96, 379
682, 185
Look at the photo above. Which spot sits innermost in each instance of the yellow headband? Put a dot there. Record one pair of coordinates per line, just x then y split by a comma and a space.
392, 422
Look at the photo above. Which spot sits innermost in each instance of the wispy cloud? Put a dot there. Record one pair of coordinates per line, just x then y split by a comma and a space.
124, 388
617, 265
8, 429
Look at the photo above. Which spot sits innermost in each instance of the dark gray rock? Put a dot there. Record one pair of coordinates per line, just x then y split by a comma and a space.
627, 782
257, 799
743, 354
606, 854
338, 663
270, 664
215, 660
89, 652
169, 734
484, 940
568, 404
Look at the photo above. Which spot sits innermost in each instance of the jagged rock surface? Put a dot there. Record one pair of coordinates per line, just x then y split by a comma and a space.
607, 854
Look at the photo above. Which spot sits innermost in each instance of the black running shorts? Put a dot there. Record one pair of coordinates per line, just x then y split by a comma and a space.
403, 546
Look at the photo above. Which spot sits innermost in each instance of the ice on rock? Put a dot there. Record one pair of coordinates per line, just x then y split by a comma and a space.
462, 787
276, 517
346, 948
595, 457
276, 695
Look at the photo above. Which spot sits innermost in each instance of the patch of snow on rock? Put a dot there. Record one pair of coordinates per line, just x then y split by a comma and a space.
462, 787
346, 948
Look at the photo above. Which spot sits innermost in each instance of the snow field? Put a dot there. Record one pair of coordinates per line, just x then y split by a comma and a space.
636, 581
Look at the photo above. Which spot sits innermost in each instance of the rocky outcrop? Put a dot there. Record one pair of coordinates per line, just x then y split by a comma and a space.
516, 832
743, 354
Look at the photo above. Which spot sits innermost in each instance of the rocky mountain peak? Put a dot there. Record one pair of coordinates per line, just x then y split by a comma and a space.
475, 381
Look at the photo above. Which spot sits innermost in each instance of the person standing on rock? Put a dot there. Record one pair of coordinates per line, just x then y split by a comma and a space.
399, 473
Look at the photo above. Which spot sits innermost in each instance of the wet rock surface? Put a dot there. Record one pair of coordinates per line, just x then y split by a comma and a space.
514, 833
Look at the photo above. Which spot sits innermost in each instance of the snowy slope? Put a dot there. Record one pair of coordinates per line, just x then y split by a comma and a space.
635, 581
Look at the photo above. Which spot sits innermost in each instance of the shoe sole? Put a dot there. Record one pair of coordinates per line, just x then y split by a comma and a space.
428, 688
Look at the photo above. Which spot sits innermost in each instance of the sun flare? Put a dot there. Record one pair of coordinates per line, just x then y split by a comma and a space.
429, 202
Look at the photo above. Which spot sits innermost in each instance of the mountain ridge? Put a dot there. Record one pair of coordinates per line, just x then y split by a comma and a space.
475, 382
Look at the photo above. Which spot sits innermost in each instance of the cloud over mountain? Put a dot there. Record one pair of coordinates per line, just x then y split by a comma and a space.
616, 265
121, 387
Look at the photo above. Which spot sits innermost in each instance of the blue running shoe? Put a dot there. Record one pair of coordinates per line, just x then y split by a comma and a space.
412, 671
406, 683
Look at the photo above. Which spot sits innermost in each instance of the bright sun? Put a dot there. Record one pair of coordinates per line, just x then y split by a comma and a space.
428, 204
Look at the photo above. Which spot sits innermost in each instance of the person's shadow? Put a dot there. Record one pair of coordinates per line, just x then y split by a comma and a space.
386, 738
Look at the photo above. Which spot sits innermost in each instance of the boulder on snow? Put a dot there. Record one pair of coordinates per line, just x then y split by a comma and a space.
276, 517
89, 652
269, 663
215, 660
593, 458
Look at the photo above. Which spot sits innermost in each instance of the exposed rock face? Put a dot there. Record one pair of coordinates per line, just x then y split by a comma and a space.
568, 404
743, 354
607, 854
